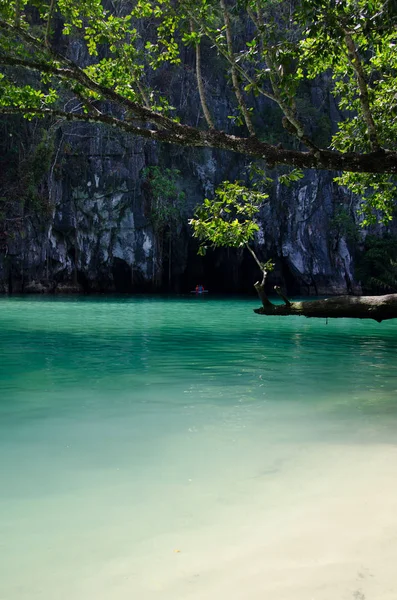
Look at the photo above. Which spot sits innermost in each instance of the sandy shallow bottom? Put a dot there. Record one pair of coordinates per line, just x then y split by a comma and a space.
299, 521
335, 537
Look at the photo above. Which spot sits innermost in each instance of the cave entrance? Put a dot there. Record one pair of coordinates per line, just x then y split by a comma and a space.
122, 276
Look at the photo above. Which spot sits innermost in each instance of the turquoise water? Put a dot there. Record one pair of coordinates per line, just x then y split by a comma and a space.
145, 443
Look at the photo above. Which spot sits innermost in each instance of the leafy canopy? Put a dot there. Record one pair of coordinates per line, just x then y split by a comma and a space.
260, 48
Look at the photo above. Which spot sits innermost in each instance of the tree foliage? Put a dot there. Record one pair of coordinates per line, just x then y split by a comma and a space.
266, 48
228, 220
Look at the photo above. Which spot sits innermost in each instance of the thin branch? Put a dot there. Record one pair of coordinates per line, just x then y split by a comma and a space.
143, 94
256, 259
256, 19
83, 103
49, 19
260, 286
282, 296
54, 162
296, 128
200, 83
235, 80
355, 62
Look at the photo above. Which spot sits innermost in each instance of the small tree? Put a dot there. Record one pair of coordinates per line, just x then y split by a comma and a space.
229, 221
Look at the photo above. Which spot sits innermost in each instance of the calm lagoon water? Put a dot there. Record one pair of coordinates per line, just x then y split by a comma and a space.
187, 448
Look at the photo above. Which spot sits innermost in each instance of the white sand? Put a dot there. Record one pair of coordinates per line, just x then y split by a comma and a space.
243, 513
324, 532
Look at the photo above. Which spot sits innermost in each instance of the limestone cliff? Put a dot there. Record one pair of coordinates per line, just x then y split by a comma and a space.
84, 221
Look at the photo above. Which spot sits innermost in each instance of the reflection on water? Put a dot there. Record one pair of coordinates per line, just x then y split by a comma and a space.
149, 443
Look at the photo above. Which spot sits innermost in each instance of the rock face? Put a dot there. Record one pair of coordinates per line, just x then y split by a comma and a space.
99, 236
97, 232
314, 253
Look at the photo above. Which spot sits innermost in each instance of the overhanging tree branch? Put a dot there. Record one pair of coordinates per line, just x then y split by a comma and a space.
64, 68
77, 75
185, 135
294, 126
157, 126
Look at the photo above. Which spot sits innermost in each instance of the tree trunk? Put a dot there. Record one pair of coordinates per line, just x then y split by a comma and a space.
378, 308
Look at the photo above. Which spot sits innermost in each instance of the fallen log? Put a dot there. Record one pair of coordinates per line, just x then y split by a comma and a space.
378, 308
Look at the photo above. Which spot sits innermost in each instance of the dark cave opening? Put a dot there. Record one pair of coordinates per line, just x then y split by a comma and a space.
122, 276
